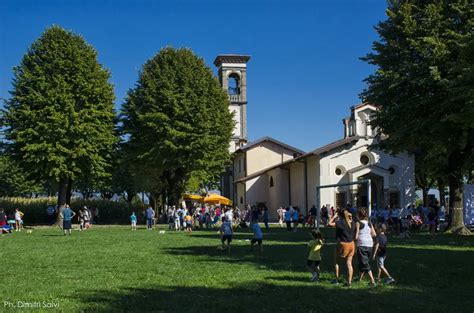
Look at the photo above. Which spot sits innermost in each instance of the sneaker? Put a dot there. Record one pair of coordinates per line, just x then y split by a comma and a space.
390, 281
315, 277
372, 285
348, 285
335, 281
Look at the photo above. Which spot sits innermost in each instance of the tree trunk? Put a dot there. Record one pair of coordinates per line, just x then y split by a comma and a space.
425, 197
69, 191
62, 191
130, 196
457, 223
152, 202
442, 193
455, 199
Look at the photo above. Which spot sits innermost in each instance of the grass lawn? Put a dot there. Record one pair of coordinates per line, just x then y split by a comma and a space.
113, 269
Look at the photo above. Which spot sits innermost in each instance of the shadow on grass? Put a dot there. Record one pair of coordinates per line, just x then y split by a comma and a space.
254, 297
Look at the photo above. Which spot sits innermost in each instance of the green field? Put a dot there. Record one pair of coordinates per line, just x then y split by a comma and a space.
113, 269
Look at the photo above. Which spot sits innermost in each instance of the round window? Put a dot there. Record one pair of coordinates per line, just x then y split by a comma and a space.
391, 170
338, 171
364, 159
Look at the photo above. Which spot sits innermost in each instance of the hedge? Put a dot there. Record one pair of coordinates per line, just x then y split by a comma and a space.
35, 209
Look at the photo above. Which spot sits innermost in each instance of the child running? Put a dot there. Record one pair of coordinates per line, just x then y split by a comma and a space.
314, 258
257, 236
380, 254
226, 233
133, 220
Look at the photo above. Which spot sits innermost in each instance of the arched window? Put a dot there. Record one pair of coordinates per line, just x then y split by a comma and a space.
271, 181
233, 84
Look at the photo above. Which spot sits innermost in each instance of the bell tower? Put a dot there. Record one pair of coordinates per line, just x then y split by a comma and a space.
233, 78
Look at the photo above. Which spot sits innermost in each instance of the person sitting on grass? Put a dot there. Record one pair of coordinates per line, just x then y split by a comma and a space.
226, 234
257, 236
133, 221
67, 215
380, 254
314, 258
363, 235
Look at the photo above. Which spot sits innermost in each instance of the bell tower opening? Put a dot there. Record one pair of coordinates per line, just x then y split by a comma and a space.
234, 84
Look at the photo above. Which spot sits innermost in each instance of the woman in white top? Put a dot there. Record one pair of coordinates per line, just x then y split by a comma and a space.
363, 235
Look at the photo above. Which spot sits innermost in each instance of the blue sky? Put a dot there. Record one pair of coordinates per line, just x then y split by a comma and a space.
304, 74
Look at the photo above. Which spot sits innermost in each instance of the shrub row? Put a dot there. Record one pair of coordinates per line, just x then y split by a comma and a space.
35, 209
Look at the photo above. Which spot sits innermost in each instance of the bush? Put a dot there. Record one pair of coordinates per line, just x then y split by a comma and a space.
110, 212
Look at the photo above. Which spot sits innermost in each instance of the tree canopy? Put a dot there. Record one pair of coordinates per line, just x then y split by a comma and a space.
423, 84
59, 122
177, 122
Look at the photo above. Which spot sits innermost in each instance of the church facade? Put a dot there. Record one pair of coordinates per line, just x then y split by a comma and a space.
272, 173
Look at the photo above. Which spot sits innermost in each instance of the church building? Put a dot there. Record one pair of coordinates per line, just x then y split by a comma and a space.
272, 173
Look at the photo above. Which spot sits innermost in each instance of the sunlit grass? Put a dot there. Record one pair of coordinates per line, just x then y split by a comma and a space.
114, 269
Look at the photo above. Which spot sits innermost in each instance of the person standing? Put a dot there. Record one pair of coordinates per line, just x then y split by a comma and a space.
345, 246
133, 221
18, 219
265, 218
288, 219
280, 213
295, 217
150, 214
313, 213
364, 232
67, 215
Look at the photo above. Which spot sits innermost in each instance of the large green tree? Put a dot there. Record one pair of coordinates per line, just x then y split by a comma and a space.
423, 85
177, 123
59, 122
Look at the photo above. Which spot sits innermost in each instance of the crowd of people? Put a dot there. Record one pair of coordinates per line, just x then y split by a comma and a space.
11, 222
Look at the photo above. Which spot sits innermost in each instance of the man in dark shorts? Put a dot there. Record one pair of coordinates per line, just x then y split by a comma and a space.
67, 215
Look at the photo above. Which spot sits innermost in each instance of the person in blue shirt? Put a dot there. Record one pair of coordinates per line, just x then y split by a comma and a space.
257, 236
150, 214
226, 234
67, 215
295, 218
288, 219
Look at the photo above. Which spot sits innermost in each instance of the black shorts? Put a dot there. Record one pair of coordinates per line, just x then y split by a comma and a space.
312, 263
67, 225
255, 240
227, 237
363, 254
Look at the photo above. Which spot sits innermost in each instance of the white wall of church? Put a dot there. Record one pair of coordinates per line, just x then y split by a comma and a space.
313, 178
349, 158
266, 155
257, 190
278, 195
297, 185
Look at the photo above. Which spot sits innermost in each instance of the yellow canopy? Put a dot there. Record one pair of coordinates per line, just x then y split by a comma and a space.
217, 199
193, 197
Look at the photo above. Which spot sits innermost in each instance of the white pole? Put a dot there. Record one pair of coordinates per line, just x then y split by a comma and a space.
369, 197
318, 207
